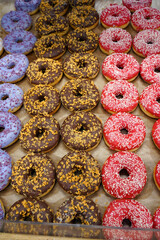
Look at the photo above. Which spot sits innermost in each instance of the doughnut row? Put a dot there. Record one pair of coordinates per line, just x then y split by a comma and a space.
78, 173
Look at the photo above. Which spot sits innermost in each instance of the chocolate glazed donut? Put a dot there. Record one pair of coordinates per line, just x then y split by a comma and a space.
78, 210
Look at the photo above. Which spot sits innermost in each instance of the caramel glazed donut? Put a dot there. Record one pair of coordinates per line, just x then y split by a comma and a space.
33, 175
78, 173
81, 131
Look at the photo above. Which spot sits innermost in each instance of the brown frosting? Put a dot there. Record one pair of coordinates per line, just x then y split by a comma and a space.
54, 6
47, 24
79, 95
28, 209
50, 46
78, 209
81, 65
42, 99
78, 173
81, 131
40, 134
75, 3
44, 71
84, 17
33, 175
82, 40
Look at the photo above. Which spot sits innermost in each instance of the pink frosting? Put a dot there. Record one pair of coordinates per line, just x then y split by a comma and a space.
150, 69
118, 186
115, 40
115, 16
134, 5
156, 133
120, 66
156, 216
146, 18
112, 90
149, 99
147, 42
114, 136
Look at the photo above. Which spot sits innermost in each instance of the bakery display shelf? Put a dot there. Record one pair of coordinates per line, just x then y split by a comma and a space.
150, 196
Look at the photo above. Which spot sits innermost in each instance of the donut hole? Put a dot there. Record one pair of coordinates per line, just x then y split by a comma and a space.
147, 17
123, 173
126, 222
120, 65
19, 40
158, 99
115, 39
2, 128
32, 172
49, 44
42, 69
81, 64
41, 98
157, 70
82, 39
15, 19
4, 97
11, 65
81, 128
78, 170
39, 132
49, 23
27, 0
115, 15
150, 41
76, 220
52, 3
119, 96
78, 93
27, 217
124, 131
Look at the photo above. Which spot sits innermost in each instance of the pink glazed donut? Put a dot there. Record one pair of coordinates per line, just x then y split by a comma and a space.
19, 41
120, 66
150, 69
146, 42
5, 169
13, 67
156, 176
119, 96
16, 20
146, 18
115, 40
10, 127
137, 4
124, 132
11, 97
149, 100
156, 219
115, 16
124, 175
156, 133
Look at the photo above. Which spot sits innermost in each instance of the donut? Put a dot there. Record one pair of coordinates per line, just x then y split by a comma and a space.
78, 173
2, 210
82, 40
10, 127
150, 69
16, 20
119, 96
11, 97
13, 67
156, 133
120, 66
59, 7
29, 209
135, 5
83, 17
75, 3
33, 175
19, 41
146, 18
79, 95
40, 134
115, 16
146, 42
128, 213
5, 170
47, 24
81, 131
29, 6
50, 46
81, 65
115, 40
156, 175
44, 71
149, 100
124, 132
124, 175
78, 209
42, 100
1, 46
